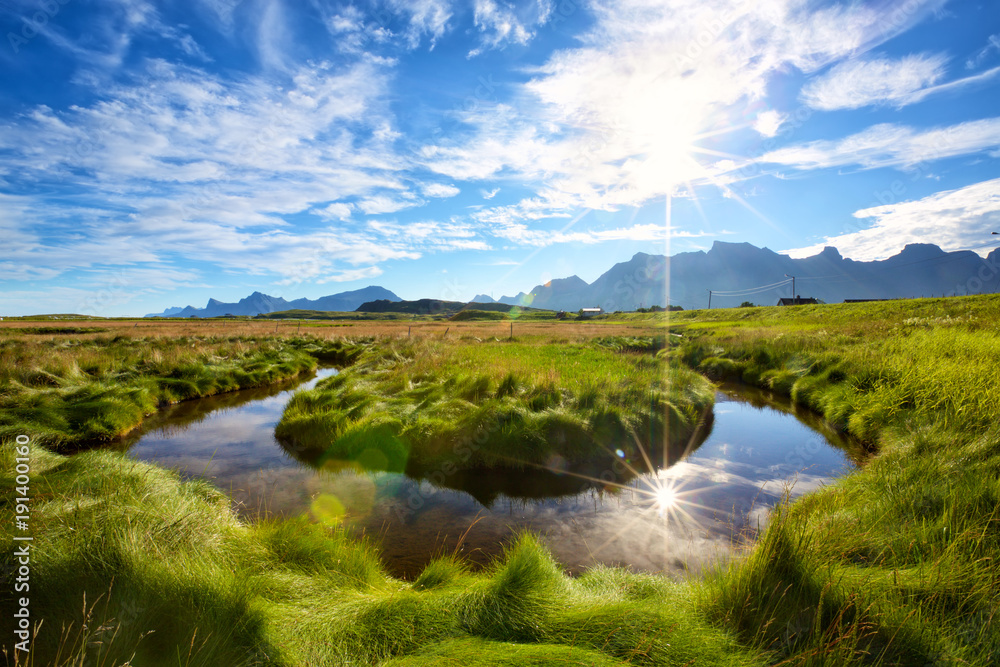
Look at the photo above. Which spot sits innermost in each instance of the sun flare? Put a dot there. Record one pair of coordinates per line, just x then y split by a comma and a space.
666, 498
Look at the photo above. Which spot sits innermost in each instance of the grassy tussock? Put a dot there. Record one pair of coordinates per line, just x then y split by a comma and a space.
70, 391
414, 404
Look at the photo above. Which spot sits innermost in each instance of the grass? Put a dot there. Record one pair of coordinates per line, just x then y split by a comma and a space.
895, 564
133, 566
69, 391
422, 404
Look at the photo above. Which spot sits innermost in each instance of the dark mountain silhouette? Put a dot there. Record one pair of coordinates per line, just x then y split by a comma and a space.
258, 303
433, 307
918, 270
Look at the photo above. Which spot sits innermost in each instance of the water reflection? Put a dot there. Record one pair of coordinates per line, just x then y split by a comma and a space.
229, 440
643, 516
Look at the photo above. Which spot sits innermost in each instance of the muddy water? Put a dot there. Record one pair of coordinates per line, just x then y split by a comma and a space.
638, 513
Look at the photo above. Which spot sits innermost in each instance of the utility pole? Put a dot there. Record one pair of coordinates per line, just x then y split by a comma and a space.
709, 299
794, 295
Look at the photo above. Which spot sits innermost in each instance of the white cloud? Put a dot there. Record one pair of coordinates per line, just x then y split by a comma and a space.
992, 46
350, 274
952, 86
890, 145
385, 204
501, 23
860, 82
440, 190
769, 122
181, 163
335, 211
426, 17
489, 194
953, 219
522, 233
617, 121
273, 36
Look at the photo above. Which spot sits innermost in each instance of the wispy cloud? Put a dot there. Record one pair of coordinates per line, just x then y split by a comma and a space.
426, 17
439, 190
863, 82
501, 23
618, 120
179, 162
953, 219
992, 47
890, 145
522, 233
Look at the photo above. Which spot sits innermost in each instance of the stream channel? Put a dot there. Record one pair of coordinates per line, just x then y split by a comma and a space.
672, 519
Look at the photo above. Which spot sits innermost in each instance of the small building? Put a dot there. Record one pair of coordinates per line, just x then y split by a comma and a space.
590, 312
799, 301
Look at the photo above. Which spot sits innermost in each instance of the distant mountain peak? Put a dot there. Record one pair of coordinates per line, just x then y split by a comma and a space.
260, 303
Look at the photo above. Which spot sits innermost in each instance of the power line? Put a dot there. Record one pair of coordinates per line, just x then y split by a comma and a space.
752, 290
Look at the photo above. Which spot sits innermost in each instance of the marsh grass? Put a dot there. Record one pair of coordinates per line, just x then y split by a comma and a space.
70, 391
897, 563
419, 404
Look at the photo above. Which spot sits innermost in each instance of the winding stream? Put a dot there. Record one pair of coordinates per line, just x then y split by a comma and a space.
646, 517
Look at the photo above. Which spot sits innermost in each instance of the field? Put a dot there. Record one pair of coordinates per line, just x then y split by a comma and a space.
894, 565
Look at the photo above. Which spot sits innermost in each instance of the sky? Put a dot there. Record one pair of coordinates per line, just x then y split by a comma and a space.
155, 153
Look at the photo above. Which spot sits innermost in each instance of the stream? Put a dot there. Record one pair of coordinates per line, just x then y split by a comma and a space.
647, 517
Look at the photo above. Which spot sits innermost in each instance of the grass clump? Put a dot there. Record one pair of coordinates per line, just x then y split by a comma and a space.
428, 403
68, 392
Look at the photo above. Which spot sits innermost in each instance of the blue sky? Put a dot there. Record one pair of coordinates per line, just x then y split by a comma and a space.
157, 153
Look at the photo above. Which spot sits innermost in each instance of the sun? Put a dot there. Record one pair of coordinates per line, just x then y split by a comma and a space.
666, 498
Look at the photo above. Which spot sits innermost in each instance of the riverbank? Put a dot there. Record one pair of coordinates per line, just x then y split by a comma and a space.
896, 564
71, 391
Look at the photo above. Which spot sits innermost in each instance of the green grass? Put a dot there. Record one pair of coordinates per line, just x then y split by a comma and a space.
68, 392
413, 405
132, 564
897, 563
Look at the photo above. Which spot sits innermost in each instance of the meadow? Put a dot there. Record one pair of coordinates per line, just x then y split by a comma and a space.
895, 564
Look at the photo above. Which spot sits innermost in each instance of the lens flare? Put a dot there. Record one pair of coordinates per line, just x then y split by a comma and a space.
666, 498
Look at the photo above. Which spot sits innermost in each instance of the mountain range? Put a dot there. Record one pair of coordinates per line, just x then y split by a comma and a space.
746, 272
918, 270
258, 303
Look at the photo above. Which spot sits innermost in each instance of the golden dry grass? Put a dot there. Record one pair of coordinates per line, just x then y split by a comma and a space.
333, 329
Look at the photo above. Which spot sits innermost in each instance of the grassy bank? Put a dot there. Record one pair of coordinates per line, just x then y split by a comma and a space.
898, 563
67, 391
416, 404
132, 565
